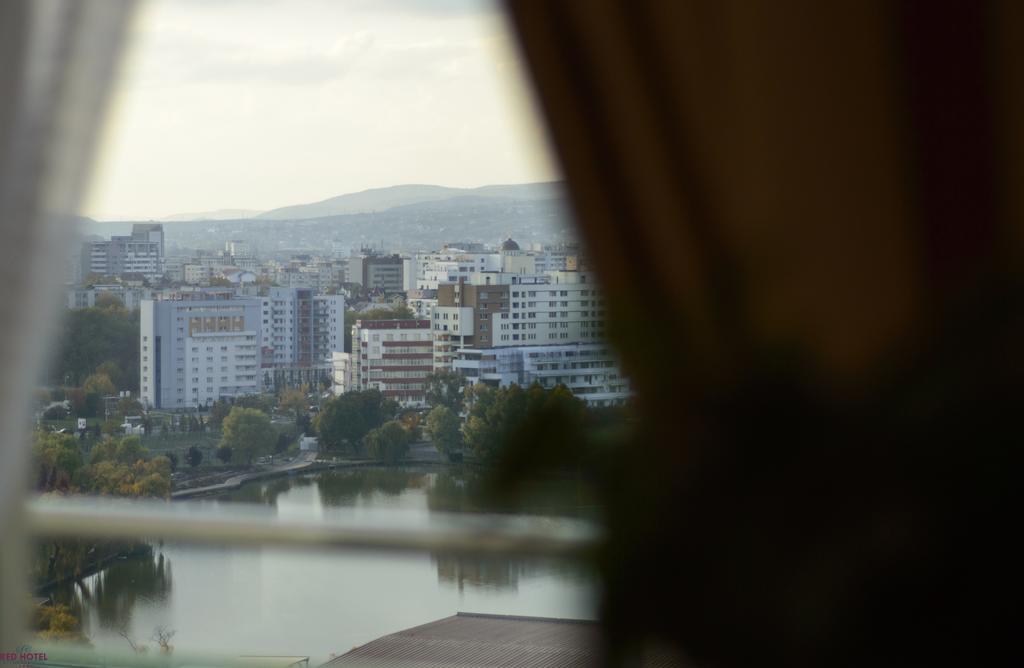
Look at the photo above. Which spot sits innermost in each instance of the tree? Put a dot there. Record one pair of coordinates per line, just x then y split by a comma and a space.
444, 388
224, 454
55, 412
445, 430
107, 301
172, 458
162, 637
411, 420
99, 385
129, 406
345, 420
294, 403
194, 456
58, 459
283, 441
58, 622
92, 336
218, 411
127, 450
141, 479
112, 370
388, 443
528, 423
248, 432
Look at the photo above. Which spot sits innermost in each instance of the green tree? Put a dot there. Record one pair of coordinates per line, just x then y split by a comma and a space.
294, 403
445, 430
344, 420
248, 432
113, 370
218, 411
517, 423
58, 459
141, 479
388, 443
194, 456
99, 385
444, 388
108, 302
56, 412
92, 336
129, 406
127, 450
284, 439
224, 454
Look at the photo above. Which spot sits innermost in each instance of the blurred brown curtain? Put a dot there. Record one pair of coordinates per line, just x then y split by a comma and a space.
806, 216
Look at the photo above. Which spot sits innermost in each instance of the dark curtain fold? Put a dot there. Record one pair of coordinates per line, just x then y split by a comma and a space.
806, 219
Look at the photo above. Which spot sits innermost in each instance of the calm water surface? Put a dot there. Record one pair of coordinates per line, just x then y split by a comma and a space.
290, 602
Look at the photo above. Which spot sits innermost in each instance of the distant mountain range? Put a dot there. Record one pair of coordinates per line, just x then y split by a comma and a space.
406, 217
219, 214
382, 199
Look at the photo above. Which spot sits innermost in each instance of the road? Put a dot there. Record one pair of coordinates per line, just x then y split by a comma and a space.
304, 460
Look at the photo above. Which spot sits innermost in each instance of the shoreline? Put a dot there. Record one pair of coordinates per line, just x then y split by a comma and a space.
236, 482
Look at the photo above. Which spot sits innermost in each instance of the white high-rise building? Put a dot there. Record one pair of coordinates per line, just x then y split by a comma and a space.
591, 371
301, 331
500, 328
198, 348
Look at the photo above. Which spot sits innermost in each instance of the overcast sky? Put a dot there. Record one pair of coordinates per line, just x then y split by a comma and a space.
256, 104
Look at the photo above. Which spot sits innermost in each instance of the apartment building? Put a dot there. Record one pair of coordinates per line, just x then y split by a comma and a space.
500, 309
198, 347
85, 297
451, 264
591, 371
495, 326
141, 252
382, 272
392, 356
556, 257
422, 302
300, 332
342, 372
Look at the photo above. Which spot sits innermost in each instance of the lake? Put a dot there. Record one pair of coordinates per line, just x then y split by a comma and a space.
318, 603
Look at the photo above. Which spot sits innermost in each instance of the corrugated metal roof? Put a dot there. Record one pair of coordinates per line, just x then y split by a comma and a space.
484, 641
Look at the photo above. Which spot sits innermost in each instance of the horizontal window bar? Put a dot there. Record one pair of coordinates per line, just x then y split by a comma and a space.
199, 522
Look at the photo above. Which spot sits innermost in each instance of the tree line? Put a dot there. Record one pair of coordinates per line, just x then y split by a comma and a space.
104, 340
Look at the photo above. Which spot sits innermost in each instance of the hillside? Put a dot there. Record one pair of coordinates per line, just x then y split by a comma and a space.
382, 199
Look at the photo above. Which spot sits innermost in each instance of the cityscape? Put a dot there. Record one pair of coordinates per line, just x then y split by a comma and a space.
264, 369
226, 323
326, 273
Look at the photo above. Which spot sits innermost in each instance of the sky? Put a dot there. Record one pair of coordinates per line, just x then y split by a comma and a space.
257, 104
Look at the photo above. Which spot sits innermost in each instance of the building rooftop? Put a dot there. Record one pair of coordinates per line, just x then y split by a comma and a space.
468, 639
393, 324
491, 641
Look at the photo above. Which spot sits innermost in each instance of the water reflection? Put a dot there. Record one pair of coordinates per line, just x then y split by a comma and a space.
264, 494
312, 602
110, 596
345, 488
